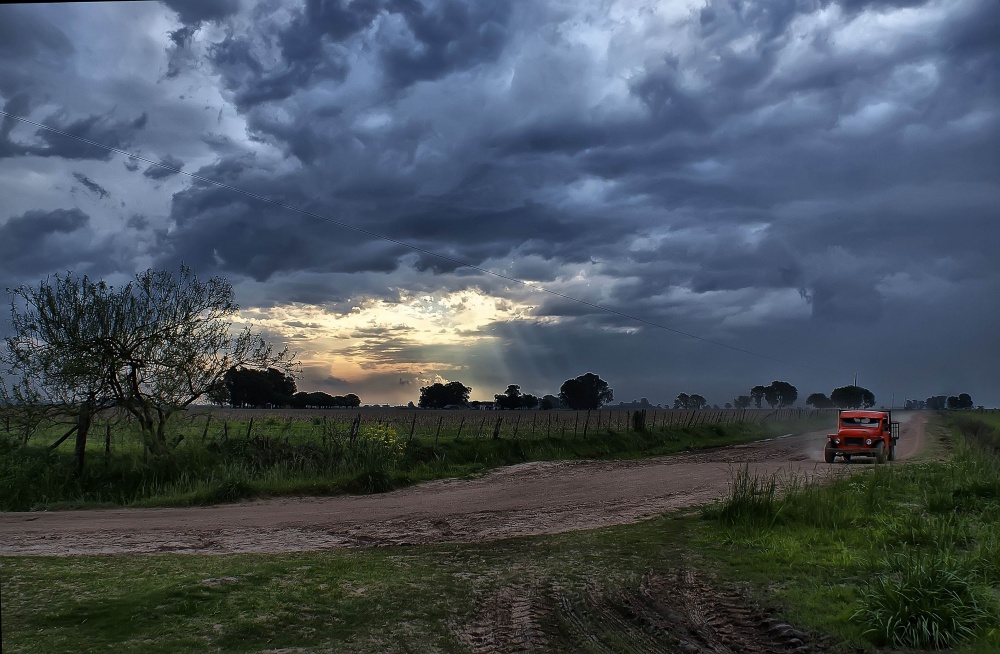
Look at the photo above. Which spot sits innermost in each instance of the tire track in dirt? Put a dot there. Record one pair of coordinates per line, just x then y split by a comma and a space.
521, 500
666, 614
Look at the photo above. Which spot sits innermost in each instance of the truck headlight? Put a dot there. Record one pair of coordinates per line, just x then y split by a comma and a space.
836, 441
868, 441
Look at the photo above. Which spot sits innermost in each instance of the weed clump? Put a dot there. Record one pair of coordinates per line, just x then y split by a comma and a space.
924, 601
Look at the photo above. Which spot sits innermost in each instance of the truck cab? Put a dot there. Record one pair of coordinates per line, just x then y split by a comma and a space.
863, 433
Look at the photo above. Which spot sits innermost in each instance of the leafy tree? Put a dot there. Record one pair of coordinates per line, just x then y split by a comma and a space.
588, 391
965, 401
549, 402
781, 393
151, 347
729, 405
55, 356
852, 397
529, 401
438, 395
510, 399
819, 401
685, 401
758, 393
952, 402
742, 402
936, 402
246, 387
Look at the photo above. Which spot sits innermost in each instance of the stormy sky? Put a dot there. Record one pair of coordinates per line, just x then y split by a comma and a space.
811, 185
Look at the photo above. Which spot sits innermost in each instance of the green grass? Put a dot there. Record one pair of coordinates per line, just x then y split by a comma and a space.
895, 556
881, 560
312, 457
372, 600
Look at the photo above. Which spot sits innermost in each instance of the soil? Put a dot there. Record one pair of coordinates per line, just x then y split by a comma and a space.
520, 500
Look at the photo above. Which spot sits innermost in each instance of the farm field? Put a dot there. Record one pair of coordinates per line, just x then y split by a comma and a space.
228, 455
719, 579
531, 498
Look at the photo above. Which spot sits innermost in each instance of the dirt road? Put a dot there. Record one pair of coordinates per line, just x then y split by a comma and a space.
526, 499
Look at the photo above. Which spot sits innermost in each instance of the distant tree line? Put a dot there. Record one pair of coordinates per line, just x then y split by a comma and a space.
940, 402
588, 391
845, 397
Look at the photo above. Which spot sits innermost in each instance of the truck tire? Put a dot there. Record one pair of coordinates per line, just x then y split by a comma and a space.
880, 453
829, 454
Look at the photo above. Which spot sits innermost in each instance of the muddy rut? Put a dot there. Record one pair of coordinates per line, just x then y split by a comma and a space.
520, 500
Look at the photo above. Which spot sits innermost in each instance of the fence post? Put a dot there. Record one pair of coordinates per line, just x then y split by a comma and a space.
438, 432
496, 428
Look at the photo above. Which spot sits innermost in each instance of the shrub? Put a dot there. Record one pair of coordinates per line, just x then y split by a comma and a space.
924, 601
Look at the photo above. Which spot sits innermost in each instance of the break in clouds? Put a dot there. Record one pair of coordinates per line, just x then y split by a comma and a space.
815, 182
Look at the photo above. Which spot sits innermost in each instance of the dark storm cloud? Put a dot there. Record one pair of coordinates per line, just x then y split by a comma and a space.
103, 129
164, 171
443, 36
450, 35
26, 35
697, 171
192, 12
36, 241
92, 186
217, 229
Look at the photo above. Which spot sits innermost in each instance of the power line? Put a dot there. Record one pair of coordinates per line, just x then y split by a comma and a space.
383, 237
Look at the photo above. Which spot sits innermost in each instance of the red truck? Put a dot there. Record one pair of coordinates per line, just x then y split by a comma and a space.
863, 433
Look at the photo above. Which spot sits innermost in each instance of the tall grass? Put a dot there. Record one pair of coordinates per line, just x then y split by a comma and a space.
918, 544
220, 460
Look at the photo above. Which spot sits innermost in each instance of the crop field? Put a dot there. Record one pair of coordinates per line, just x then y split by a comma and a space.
219, 455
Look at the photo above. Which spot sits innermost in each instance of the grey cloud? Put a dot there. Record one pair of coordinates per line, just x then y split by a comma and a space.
24, 34
32, 242
92, 186
161, 172
101, 129
845, 299
192, 12
452, 35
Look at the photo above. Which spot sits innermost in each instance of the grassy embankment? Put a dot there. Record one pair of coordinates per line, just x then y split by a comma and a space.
897, 556
232, 459
906, 553
919, 541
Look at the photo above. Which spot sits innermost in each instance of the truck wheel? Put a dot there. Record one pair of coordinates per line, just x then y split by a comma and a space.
880, 453
847, 457
829, 454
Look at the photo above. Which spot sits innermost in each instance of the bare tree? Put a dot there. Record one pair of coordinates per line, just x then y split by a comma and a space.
57, 355
152, 347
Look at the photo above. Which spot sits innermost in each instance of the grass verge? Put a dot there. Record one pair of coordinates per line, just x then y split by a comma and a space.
895, 556
377, 459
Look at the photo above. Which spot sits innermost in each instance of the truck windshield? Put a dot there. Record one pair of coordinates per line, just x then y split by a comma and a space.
859, 422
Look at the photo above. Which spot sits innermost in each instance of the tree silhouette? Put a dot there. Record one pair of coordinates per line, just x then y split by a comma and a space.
509, 399
852, 397
588, 391
758, 393
819, 401
782, 393
742, 402
438, 395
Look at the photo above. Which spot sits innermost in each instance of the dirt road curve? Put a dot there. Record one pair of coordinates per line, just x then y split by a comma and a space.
532, 498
